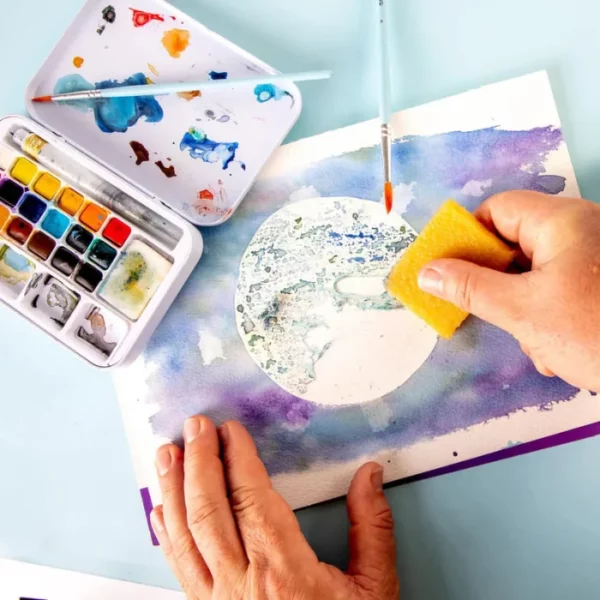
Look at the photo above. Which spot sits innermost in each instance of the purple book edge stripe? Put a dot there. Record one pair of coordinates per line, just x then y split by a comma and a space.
148, 507
557, 439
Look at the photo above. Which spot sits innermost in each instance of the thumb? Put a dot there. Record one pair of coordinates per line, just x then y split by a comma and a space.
372, 545
496, 297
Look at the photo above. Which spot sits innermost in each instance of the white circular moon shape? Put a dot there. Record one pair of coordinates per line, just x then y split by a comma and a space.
311, 306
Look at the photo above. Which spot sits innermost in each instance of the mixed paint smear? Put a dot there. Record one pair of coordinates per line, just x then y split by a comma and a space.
267, 91
211, 201
479, 375
176, 41
108, 18
112, 114
199, 146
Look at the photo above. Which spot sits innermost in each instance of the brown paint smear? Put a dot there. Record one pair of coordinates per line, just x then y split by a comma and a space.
167, 171
140, 151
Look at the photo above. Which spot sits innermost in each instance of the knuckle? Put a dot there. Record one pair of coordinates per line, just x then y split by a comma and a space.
465, 290
245, 498
182, 546
200, 510
384, 519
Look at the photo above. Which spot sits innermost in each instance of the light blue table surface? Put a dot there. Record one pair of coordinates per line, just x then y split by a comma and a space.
525, 528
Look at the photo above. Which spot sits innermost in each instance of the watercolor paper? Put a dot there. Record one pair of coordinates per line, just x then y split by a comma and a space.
473, 395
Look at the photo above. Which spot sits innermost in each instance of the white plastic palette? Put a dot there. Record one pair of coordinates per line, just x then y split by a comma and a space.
199, 154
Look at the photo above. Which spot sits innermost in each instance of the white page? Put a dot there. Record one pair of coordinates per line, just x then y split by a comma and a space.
22, 580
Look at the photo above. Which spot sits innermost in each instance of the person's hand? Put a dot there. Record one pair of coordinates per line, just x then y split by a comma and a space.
554, 309
228, 535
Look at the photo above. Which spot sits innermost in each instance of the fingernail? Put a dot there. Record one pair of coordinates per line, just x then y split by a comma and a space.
224, 433
157, 522
163, 461
191, 429
431, 281
377, 480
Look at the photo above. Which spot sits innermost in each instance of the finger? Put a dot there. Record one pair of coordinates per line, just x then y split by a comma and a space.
517, 216
267, 524
190, 567
372, 545
496, 297
209, 514
541, 368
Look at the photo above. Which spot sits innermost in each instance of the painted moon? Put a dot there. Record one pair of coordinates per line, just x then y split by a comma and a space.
311, 307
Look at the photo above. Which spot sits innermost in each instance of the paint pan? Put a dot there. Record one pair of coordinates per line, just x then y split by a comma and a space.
15, 272
51, 301
101, 330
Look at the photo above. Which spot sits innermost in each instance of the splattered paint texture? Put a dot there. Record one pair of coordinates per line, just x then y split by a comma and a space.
112, 114
478, 376
197, 143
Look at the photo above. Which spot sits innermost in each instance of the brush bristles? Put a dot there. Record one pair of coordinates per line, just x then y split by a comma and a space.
42, 99
388, 193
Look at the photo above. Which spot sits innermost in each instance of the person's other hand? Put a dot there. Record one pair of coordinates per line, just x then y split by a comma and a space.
228, 535
554, 309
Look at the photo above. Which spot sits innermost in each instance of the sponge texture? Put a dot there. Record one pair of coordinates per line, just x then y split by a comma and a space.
453, 232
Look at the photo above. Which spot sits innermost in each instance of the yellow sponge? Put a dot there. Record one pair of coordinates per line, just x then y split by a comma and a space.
453, 232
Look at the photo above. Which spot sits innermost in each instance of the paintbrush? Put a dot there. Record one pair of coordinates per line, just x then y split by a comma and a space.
162, 89
385, 101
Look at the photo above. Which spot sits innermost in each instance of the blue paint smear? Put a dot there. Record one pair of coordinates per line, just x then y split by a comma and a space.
216, 75
16, 261
200, 146
267, 91
463, 383
112, 115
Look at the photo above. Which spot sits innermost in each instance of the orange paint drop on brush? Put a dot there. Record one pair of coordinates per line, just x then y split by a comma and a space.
388, 192
176, 41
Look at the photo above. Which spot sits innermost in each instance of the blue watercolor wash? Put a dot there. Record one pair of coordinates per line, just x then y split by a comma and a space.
112, 114
357, 259
267, 91
216, 75
32, 207
55, 223
200, 146
462, 384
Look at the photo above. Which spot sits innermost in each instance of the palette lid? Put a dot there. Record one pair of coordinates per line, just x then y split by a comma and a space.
197, 153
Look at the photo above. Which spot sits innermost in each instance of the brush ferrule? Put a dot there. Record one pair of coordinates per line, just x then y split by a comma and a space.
83, 95
386, 148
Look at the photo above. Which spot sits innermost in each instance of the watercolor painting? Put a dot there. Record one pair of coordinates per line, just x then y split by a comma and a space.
440, 402
311, 297
194, 138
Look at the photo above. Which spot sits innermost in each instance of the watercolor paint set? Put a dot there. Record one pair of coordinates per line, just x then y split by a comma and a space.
98, 199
